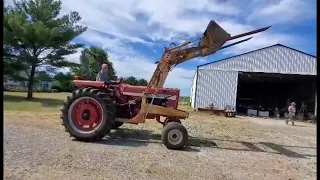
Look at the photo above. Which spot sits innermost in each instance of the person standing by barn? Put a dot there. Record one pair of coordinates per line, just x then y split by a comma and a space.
292, 113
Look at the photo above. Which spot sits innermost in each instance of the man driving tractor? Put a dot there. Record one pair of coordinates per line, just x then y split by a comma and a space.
103, 74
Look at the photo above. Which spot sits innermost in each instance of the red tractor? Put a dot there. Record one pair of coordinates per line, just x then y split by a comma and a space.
95, 108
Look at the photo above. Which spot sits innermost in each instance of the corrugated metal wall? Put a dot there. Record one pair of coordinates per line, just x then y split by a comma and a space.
217, 82
217, 87
275, 59
193, 90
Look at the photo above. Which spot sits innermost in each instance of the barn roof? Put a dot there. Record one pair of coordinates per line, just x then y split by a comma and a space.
256, 51
272, 59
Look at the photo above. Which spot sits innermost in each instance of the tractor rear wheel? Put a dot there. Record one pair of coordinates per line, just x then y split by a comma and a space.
88, 114
174, 136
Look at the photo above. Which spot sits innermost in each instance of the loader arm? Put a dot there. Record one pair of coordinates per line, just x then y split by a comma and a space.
212, 40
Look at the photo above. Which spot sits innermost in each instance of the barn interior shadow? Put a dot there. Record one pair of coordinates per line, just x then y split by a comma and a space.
143, 137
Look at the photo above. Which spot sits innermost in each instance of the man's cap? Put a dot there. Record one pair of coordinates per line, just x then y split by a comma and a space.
293, 103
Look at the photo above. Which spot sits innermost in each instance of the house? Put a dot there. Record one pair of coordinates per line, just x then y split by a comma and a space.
22, 83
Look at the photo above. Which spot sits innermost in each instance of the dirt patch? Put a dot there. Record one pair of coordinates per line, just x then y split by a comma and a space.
35, 146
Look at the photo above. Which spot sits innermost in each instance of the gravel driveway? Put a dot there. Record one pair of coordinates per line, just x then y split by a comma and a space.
36, 147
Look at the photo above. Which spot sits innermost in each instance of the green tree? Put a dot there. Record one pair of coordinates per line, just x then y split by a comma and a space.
64, 81
35, 34
142, 82
91, 60
131, 80
134, 81
42, 76
11, 69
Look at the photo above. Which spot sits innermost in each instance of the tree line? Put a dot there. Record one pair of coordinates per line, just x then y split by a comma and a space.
36, 34
63, 81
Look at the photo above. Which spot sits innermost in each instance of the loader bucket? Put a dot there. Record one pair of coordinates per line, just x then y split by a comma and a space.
213, 37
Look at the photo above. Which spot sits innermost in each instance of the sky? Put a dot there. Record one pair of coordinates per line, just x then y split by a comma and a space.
134, 32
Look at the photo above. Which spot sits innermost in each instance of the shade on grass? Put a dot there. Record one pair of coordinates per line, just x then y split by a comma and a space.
42, 102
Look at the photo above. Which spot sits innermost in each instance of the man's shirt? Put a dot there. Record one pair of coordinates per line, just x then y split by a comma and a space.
292, 110
101, 76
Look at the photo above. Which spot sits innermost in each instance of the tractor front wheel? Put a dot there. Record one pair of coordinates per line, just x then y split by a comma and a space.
174, 135
88, 114
168, 120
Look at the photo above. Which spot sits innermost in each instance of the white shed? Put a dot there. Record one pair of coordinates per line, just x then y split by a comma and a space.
217, 82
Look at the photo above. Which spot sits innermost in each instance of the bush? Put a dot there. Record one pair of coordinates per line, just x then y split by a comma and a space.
64, 86
57, 87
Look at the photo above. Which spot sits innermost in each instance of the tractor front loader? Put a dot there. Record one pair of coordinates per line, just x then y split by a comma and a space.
95, 108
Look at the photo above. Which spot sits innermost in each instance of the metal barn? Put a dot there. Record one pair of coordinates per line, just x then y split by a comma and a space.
217, 82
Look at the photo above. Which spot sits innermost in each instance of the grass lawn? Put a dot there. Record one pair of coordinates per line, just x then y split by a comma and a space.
42, 102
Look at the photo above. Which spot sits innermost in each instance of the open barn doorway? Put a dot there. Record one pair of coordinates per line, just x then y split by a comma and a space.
259, 94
